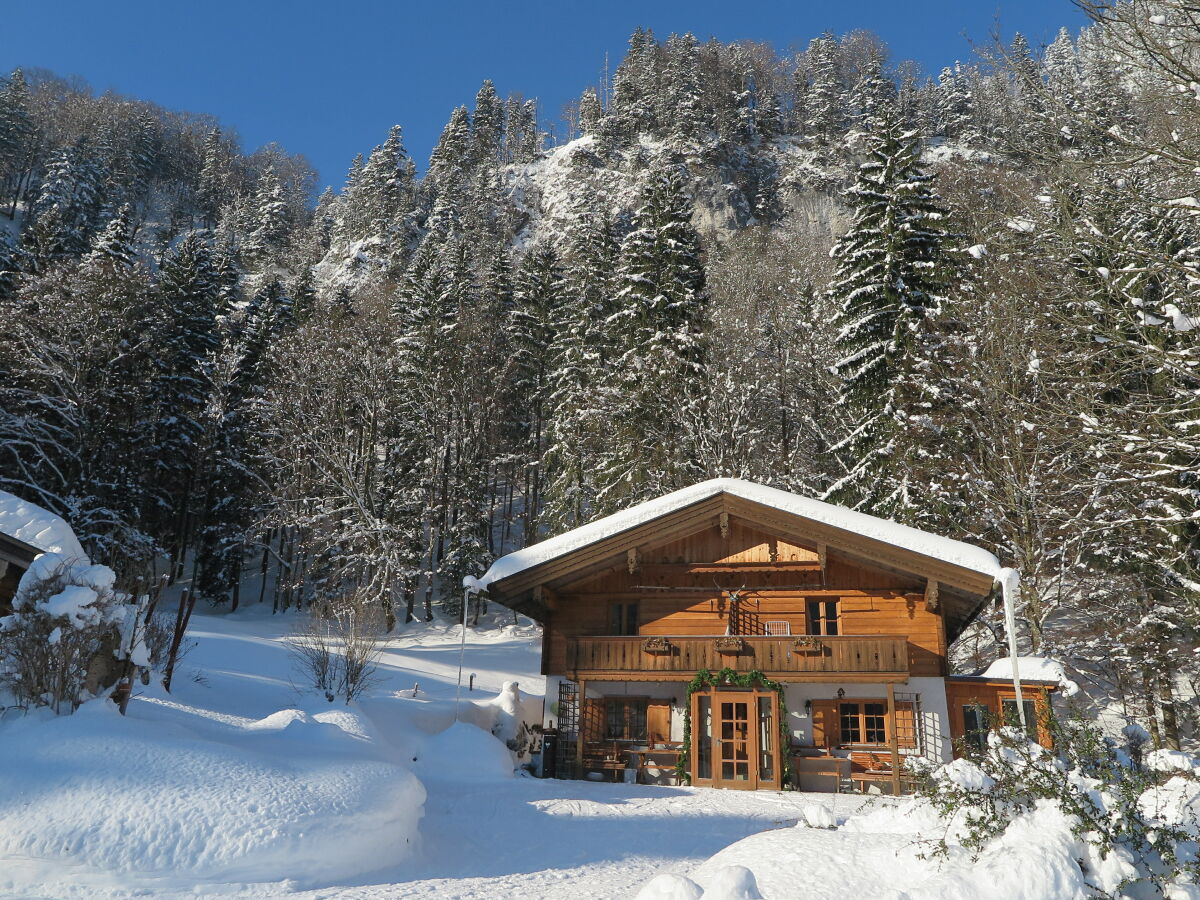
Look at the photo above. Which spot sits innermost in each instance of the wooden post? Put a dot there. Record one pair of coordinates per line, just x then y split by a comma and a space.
579, 734
894, 738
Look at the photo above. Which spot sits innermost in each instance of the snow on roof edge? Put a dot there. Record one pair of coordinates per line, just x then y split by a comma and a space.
957, 553
38, 527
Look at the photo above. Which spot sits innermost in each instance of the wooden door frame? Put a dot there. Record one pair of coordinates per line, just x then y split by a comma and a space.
751, 697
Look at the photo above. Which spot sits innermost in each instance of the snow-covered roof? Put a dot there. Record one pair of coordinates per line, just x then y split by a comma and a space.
38, 527
956, 553
1033, 668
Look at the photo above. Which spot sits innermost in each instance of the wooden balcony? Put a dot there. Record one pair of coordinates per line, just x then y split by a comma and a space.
790, 658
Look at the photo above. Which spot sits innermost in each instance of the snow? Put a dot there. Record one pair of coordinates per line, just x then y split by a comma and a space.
1034, 668
74, 602
238, 783
956, 553
463, 751
1172, 761
38, 527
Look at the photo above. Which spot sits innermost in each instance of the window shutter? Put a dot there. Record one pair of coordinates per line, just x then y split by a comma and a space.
658, 721
825, 723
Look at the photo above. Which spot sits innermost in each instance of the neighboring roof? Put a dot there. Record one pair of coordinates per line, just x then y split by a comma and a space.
956, 553
1005, 681
38, 527
18, 552
1033, 668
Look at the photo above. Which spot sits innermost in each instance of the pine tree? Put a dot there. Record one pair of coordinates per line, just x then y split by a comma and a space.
213, 189
530, 339
823, 97
487, 124
189, 294
271, 219
891, 277
682, 102
450, 164
67, 208
381, 195
16, 137
590, 111
114, 245
583, 354
659, 322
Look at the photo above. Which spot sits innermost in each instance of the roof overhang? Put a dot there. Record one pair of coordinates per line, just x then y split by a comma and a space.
966, 574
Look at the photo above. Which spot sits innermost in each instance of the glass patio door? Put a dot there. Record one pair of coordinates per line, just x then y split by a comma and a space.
735, 740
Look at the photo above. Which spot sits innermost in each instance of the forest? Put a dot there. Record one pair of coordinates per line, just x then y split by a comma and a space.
969, 301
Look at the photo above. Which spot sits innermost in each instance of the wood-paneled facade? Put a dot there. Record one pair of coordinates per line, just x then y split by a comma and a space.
726, 582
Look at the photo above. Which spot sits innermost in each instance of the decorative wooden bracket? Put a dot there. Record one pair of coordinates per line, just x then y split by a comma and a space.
725, 525
632, 561
932, 601
545, 596
822, 556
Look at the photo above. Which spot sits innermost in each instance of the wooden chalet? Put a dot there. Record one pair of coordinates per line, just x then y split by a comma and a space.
754, 633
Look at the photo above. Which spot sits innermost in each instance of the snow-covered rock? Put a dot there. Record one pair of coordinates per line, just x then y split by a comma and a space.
463, 751
1172, 761
669, 886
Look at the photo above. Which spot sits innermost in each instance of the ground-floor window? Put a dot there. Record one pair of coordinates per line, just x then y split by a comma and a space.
1013, 719
975, 725
863, 723
625, 718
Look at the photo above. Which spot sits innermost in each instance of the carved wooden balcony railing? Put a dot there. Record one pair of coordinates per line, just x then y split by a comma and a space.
800, 655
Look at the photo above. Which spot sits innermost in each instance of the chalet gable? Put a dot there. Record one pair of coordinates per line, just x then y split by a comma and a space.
806, 542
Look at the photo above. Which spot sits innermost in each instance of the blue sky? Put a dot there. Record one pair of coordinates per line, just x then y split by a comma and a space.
327, 79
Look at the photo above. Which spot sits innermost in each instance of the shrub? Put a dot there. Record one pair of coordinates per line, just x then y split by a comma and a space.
1135, 827
57, 648
337, 649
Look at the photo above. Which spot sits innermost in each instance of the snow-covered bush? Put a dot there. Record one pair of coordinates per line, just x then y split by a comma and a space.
337, 649
1133, 828
58, 647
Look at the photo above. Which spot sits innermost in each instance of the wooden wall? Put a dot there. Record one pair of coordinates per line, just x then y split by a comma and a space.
991, 694
676, 588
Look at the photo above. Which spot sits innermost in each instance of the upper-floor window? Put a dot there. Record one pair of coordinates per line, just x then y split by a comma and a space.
623, 618
823, 617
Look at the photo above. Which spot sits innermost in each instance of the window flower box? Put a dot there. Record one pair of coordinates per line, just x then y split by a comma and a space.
658, 646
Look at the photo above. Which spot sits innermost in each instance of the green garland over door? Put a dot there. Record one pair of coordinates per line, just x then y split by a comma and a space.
729, 678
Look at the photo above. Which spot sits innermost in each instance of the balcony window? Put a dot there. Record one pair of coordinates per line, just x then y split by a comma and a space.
823, 617
623, 618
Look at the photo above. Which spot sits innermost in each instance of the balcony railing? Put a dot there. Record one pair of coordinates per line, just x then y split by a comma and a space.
772, 655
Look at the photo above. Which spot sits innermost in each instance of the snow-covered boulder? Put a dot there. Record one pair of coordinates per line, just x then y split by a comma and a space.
669, 886
463, 751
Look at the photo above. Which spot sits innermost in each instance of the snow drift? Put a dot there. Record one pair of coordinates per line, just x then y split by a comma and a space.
288, 797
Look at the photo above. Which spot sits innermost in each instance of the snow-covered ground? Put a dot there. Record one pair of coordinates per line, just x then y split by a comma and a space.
240, 785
